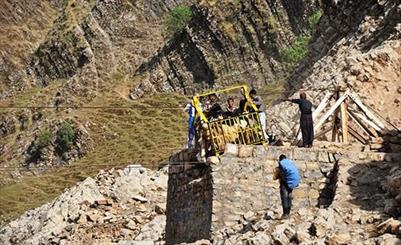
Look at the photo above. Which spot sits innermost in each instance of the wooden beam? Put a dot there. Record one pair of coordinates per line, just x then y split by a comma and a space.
334, 133
344, 122
324, 132
367, 121
367, 112
331, 110
322, 105
358, 122
358, 136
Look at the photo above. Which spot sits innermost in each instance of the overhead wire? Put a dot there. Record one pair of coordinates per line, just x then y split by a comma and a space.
97, 107
160, 164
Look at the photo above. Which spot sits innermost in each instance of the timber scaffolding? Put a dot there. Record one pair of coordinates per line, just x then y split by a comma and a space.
350, 117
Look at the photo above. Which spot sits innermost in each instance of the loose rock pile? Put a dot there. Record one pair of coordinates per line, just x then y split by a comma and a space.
331, 226
124, 206
116, 206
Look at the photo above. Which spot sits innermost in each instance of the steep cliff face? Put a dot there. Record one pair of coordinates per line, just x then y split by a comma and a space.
357, 45
226, 42
91, 40
23, 25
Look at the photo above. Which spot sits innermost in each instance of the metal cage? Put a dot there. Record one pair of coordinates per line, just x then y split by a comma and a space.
242, 129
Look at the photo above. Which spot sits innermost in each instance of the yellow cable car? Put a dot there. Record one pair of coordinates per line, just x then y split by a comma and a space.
213, 134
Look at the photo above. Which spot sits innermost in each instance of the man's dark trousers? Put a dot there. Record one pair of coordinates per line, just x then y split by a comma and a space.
306, 124
286, 197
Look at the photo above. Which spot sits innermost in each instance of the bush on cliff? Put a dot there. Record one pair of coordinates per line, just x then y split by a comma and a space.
45, 138
293, 54
176, 21
65, 137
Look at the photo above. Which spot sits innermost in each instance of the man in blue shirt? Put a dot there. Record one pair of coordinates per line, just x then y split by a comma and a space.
289, 178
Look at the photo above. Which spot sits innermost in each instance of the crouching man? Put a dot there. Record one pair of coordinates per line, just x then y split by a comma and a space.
288, 175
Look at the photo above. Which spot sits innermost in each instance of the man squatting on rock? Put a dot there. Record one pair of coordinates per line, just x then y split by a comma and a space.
288, 175
306, 120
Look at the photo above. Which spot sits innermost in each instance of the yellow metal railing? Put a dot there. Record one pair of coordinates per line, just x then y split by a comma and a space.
243, 88
244, 129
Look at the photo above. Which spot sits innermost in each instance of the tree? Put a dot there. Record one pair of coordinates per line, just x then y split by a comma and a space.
65, 137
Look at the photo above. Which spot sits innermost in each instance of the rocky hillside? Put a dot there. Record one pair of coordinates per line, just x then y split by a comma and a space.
78, 53
88, 42
115, 206
24, 25
124, 206
357, 45
228, 42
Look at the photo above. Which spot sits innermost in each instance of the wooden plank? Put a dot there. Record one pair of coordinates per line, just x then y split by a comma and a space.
331, 110
360, 124
358, 136
367, 112
317, 112
322, 105
334, 133
368, 122
324, 132
344, 122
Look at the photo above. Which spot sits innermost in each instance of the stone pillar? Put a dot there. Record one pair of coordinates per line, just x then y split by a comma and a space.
189, 203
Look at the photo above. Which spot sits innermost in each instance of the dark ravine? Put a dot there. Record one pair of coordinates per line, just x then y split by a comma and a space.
226, 44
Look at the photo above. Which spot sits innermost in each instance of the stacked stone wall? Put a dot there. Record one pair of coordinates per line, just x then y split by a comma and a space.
204, 199
189, 203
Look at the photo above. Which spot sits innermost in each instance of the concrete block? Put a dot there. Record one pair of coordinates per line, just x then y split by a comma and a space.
312, 165
324, 156
313, 194
300, 193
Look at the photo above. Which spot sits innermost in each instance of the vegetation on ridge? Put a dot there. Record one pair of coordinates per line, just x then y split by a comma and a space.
298, 49
177, 19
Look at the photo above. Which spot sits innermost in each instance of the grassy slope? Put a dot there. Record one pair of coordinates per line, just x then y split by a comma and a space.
120, 136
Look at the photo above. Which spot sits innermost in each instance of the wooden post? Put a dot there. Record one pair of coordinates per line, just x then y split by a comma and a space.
344, 122
344, 118
334, 133
330, 111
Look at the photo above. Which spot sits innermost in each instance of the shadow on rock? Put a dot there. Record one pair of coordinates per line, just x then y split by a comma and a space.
375, 185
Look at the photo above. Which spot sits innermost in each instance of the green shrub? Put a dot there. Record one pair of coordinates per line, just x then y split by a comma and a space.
297, 51
65, 137
45, 138
314, 19
178, 18
293, 54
